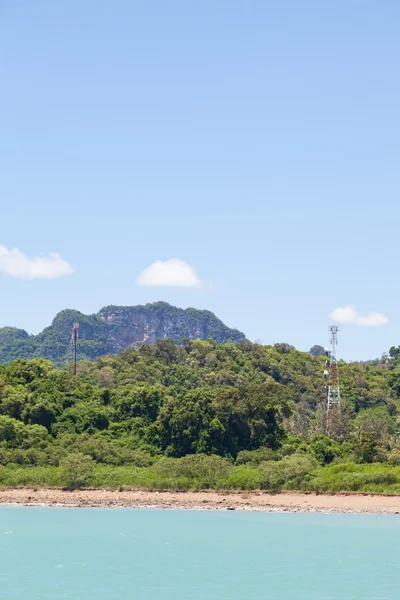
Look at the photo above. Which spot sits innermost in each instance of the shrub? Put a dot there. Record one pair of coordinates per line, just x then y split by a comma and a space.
254, 456
244, 477
207, 471
324, 449
394, 459
77, 470
272, 475
297, 470
138, 458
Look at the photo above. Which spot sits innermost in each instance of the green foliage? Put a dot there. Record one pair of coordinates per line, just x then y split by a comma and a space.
198, 415
292, 472
244, 477
77, 470
356, 478
324, 449
297, 470
366, 447
11, 432
255, 457
204, 471
394, 459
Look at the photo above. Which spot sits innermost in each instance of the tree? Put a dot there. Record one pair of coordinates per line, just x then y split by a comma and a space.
187, 424
324, 449
366, 447
77, 470
375, 421
252, 416
394, 352
11, 432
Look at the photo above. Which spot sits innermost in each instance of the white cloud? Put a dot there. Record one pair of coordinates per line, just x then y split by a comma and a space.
15, 264
372, 319
169, 273
348, 315
344, 314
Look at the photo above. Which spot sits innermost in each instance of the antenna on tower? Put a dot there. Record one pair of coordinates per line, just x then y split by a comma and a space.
75, 339
332, 375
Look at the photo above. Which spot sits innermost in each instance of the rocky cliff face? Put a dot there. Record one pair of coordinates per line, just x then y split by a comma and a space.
130, 327
317, 350
112, 330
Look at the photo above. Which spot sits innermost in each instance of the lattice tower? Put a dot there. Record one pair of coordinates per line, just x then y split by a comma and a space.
332, 375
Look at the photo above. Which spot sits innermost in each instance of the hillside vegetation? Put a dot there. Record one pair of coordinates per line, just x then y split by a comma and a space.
200, 414
112, 330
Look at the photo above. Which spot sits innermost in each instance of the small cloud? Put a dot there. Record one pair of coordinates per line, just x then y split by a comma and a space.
344, 314
373, 319
15, 264
169, 273
348, 315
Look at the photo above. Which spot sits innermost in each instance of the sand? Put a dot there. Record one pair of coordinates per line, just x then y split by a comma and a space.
205, 500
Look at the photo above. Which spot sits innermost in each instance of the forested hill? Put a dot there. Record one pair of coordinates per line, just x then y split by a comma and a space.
242, 401
112, 330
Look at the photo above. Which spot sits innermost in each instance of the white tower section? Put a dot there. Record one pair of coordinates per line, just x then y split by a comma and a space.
333, 398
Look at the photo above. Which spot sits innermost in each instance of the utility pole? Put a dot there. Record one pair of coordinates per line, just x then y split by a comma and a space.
332, 375
75, 338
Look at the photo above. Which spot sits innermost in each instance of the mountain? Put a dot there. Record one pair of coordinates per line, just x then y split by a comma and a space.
112, 330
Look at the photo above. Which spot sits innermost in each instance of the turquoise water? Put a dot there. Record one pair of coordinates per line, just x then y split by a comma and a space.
93, 554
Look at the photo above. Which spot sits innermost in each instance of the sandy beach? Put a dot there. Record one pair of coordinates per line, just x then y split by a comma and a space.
204, 500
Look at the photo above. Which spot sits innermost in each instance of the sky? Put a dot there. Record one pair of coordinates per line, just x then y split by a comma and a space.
241, 157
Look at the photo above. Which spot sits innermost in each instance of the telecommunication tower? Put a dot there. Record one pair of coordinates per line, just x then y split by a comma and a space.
332, 375
75, 339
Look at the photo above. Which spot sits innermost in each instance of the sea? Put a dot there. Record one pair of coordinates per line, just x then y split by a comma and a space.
155, 554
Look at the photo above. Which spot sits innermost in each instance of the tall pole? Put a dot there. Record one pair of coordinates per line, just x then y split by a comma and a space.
333, 387
75, 338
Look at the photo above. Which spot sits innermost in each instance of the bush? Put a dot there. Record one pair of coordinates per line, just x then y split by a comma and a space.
15, 476
77, 470
244, 477
394, 459
292, 445
254, 457
207, 471
272, 475
138, 458
292, 472
352, 478
324, 449
297, 470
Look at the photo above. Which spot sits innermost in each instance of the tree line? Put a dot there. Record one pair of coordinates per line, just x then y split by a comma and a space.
245, 403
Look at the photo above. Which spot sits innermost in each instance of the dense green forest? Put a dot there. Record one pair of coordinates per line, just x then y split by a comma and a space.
199, 414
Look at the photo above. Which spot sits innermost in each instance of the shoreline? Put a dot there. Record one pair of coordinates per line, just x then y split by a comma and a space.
203, 500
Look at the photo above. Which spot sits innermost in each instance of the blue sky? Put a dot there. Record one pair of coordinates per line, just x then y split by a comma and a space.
256, 142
